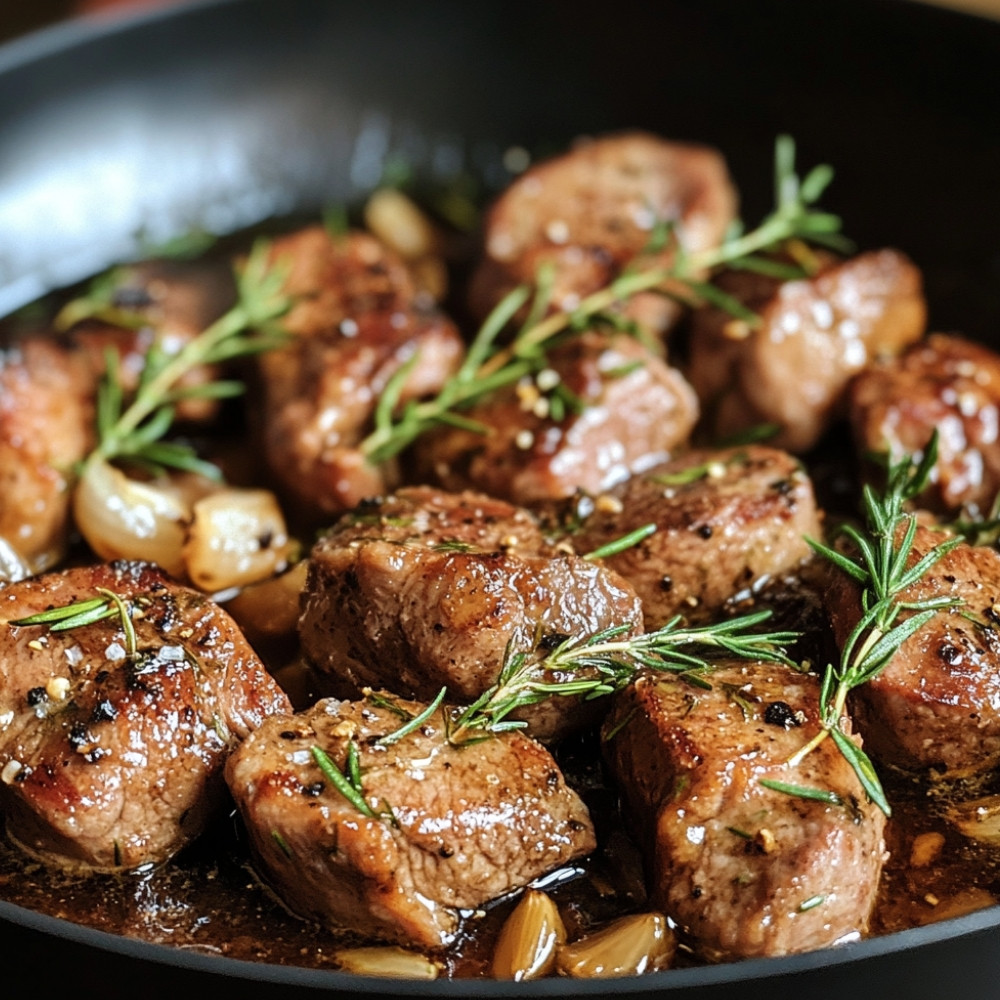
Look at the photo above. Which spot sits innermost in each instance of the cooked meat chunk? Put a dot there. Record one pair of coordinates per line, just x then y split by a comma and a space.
726, 521
814, 334
936, 704
425, 590
163, 301
111, 757
450, 827
356, 320
591, 211
943, 382
604, 408
745, 870
45, 429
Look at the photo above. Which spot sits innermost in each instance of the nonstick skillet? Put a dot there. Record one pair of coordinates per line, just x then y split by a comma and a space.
219, 115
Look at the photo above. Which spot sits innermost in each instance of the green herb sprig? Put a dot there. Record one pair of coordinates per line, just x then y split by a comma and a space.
135, 432
487, 368
600, 664
881, 568
81, 613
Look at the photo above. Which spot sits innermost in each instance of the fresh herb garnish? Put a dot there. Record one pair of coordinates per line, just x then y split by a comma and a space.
881, 568
81, 613
605, 662
135, 431
487, 368
349, 785
628, 541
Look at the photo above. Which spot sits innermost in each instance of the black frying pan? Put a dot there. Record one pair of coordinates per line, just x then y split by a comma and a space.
221, 114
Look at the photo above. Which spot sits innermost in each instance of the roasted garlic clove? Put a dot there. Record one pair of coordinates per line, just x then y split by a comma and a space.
526, 948
390, 962
632, 945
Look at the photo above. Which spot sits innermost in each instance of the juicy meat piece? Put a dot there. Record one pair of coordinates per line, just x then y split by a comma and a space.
745, 871
607, 408
45, 419
173, 301
726, 521
936, 704
815, 333
943, 382
109, 759
356, 321
452, 827
425, 590
591, 211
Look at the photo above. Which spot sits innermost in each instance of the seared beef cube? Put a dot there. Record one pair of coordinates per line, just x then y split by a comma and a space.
814, 334
356, 321
425, 590
446, 828
726, 521
745, 870
943, 383
45, 429
112, 757
604, 408
591, 211
936, 704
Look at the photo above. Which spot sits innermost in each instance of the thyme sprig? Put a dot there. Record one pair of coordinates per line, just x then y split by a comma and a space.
135, 431
487, 367
605, 662
882, 567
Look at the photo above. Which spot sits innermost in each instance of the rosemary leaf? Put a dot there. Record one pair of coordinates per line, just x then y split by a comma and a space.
336, 777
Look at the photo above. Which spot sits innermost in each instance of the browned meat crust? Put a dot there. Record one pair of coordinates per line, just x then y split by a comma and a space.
726, 521
936, 705
459, 825
45, 429
356, 321
814, 334
109, 760
426, 590
944, 383
745, 870
592, 210
608, 408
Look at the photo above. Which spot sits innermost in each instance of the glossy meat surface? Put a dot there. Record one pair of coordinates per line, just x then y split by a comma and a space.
608, 407
814, 334
452, 827
745, 870
426, 590
726, 521
114, 760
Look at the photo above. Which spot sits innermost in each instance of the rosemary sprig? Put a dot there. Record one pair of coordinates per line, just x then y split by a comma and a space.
600, 664
881, 567
487, 368
135, 432
81, 613
349, 784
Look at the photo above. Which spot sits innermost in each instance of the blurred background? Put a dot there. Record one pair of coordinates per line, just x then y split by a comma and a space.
20, 16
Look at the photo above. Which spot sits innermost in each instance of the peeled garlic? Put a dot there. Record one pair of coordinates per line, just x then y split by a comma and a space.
978, 819
395, 963
236, 537
270, 608
526, 948
627, 947
122, 518
400, 224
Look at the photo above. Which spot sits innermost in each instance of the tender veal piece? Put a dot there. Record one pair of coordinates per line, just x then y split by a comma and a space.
426, 589
936, 705
944, 383
590, 212
356, 319
45, 412
109, 759
604, 408
814, 333
451, 827
726, 521
745, 870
